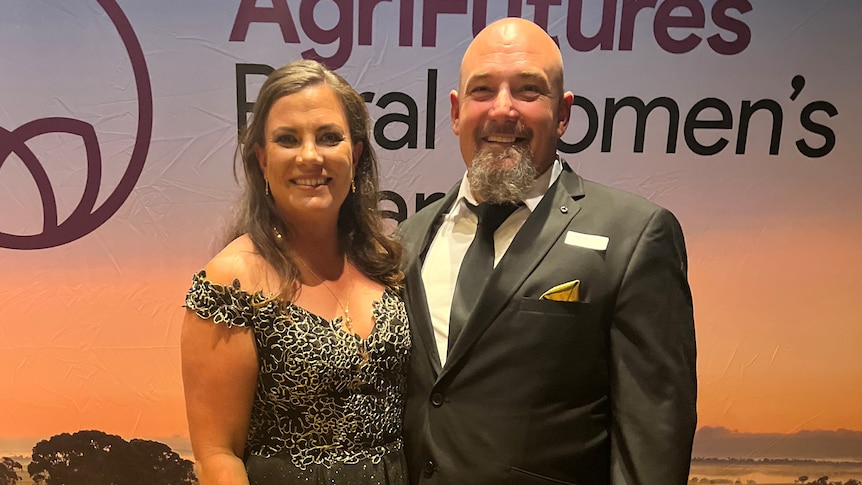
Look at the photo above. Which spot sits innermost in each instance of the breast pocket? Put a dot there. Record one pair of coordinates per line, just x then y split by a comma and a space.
550, 307
572, 332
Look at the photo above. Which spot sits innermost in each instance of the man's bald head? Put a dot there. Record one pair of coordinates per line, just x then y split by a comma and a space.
513, 33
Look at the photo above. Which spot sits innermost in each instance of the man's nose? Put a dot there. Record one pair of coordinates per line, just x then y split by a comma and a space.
503, 106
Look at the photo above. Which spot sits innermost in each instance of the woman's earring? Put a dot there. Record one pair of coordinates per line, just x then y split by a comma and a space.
266, 181
353, 185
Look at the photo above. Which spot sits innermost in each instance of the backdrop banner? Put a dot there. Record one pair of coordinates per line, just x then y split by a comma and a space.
118, 124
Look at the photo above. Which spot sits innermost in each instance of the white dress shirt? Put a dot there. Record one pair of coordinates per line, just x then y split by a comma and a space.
447, 249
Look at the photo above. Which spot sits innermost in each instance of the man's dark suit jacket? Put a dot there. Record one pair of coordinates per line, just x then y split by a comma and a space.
596, 392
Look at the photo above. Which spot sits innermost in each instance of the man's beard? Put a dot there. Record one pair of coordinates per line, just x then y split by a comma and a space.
500, 177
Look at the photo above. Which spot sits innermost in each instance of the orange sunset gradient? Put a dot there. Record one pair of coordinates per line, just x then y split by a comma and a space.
97, 347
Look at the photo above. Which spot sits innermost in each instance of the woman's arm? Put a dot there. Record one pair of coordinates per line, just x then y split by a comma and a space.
219, 377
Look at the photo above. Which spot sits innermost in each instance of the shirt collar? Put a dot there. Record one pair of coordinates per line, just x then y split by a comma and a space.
534, 195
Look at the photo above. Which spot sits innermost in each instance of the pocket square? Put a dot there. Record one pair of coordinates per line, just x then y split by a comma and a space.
564, 292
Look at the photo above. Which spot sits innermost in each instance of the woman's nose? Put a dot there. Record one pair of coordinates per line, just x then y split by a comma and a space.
308, 153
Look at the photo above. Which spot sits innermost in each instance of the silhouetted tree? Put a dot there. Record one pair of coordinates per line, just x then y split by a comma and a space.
98, 458
159, 464
852, 481
803, 479
824, 480
8, 475
72, 459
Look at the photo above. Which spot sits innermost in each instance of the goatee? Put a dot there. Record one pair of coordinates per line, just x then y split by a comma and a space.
502, 176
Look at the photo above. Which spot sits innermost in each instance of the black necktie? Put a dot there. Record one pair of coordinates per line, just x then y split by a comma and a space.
477, 264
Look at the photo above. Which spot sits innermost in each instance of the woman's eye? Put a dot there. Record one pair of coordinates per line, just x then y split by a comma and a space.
331, 139
285, 140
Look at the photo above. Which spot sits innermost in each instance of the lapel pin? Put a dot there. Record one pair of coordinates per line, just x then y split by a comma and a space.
564, 209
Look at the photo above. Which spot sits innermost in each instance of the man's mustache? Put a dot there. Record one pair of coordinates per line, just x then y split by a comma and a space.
506, 129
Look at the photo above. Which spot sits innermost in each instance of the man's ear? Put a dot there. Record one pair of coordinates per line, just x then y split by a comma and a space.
454, 110
564, 112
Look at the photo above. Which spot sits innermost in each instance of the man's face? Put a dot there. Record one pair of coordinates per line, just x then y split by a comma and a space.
510, 96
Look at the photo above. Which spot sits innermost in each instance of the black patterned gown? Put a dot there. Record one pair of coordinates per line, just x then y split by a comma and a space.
328, 405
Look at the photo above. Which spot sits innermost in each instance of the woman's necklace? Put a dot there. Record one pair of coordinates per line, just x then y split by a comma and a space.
345, 307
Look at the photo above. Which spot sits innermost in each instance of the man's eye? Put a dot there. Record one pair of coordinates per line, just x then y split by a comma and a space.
532, 89
530, 92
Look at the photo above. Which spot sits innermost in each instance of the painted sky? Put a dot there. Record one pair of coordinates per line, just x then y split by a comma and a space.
89, 331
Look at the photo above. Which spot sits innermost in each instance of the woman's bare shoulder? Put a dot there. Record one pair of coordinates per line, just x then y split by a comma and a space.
238, 261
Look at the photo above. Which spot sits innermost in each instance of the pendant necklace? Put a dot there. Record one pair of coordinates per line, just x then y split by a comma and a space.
345, 307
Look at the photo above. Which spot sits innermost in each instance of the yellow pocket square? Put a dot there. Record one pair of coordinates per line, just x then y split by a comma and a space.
565, 292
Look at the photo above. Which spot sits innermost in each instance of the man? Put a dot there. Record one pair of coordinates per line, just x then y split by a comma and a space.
573, 359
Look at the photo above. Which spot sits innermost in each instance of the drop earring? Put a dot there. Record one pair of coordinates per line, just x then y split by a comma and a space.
353, 185
266, 181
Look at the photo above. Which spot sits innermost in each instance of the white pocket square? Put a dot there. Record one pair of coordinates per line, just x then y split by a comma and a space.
589, 241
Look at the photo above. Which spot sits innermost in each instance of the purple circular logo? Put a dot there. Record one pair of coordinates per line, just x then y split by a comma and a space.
85, 217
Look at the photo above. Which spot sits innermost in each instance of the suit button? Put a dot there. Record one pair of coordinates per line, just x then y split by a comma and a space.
437, 399
428, 469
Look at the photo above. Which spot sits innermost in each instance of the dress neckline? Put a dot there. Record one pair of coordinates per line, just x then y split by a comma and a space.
337, 322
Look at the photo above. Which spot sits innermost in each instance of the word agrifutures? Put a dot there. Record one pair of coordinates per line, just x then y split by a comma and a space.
665, 15
709, 118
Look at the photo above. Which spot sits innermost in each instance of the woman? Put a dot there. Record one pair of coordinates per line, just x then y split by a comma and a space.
294, 344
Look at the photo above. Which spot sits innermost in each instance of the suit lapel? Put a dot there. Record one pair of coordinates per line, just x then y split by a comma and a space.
416, 241
540, 232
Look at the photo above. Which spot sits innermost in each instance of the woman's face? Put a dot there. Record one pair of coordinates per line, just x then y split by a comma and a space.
307, 156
